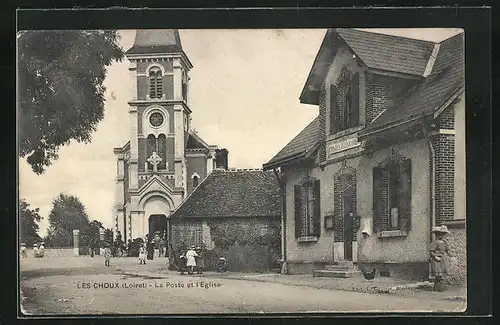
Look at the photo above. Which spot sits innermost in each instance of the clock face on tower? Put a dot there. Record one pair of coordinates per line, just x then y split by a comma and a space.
156, 119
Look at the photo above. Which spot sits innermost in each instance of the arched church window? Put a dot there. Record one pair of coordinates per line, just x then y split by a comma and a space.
151, 147
162, 151
155, 83
195, 181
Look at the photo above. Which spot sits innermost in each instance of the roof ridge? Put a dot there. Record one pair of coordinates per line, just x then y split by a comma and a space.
244, 169
392, 36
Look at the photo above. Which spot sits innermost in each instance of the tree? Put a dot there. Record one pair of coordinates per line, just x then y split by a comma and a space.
61, 92
90, 234
28, 224
68, 213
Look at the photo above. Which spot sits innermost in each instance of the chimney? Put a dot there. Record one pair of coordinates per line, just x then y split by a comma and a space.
221, 159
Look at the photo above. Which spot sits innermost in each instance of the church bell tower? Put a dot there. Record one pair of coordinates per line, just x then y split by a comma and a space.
159, 107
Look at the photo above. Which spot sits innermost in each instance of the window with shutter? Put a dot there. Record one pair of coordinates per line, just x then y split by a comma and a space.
298, 210
333, 109
392, 196
354, 121
377, 199
316, 231
405, 195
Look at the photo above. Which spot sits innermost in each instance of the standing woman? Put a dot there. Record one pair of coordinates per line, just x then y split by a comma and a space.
439, 257
200, 264
191, 261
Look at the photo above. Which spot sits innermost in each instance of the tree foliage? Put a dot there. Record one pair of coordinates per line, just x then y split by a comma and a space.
28, 224
61, 92
68, 213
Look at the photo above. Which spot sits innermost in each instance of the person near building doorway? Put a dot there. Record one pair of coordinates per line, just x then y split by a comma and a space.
439, 254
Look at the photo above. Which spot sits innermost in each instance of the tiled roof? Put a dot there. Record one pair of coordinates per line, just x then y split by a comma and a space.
227, 193
447, 77
156, 41
299, 145
387, 52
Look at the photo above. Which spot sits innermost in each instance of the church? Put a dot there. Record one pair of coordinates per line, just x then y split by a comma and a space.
164, 159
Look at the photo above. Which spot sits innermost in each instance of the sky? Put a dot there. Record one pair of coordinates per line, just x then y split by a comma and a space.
244, 96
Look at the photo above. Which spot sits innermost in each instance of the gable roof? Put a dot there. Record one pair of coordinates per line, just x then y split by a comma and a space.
445, 81
299, 146
156, 41
388, 52
395, 54
233, 193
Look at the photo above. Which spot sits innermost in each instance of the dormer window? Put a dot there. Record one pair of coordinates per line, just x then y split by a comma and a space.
344, 102
155, 83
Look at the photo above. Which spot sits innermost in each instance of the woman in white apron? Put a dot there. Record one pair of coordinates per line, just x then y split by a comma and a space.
191, 261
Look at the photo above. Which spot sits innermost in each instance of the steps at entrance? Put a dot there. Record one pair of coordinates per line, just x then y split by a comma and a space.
345, 269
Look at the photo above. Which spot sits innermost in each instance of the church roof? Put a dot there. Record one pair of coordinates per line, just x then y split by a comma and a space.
233, 193
156, 41
194, 141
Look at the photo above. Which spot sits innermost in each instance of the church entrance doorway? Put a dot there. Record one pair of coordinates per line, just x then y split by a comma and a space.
157, 223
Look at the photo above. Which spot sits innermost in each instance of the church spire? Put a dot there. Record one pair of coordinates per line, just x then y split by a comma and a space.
156, 41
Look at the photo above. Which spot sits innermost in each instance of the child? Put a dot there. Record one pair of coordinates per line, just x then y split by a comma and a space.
35, 250
41, 249
439, 255
24, 254
142, 255
182, 262
107, 255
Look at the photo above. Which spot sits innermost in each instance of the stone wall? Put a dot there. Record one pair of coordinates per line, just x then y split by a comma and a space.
53, 252
457, 244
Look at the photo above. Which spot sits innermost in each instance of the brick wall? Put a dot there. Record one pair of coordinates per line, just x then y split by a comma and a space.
444, 146
195, 165
381, 91
447, 119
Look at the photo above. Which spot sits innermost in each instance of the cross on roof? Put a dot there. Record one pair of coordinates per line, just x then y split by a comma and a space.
154, 160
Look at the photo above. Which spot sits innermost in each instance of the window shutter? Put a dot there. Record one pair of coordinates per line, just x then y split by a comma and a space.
377, 199
317, 209
298, 211
405, 195
333, 109
355, 100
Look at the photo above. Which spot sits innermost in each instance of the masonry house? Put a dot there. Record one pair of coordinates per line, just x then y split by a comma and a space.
165, 159
235, 214
382, 162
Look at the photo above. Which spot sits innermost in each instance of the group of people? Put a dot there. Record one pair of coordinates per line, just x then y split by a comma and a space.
191, 261
155, 247
38, 250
